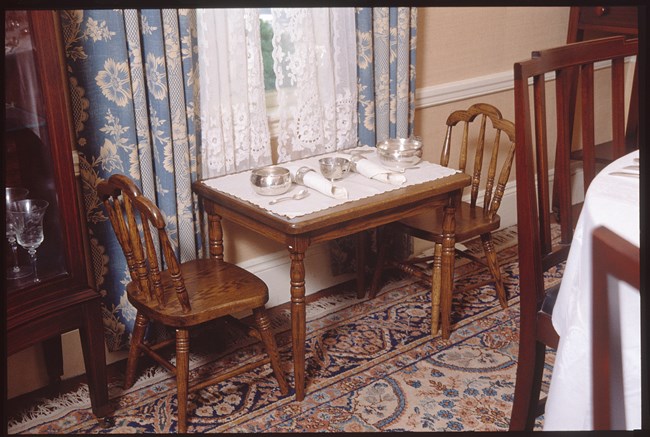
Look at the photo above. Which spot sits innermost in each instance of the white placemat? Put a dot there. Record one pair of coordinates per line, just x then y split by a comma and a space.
356, 185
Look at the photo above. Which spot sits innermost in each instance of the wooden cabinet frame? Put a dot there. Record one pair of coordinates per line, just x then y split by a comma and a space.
41, 312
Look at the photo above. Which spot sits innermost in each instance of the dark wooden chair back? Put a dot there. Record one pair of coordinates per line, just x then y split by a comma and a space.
493, 196
593, 22
533, 138
614, 256
566, 62
133, 217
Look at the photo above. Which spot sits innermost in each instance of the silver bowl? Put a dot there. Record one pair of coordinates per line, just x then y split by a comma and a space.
334, 168
271, 180
400, 153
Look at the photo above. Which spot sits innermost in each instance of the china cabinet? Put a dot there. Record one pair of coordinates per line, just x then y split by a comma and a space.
38, 152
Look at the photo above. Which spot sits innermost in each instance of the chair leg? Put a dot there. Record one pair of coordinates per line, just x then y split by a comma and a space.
495, 269
137, 338
264, 327
182, 376
436, 285
382, 243
530, 370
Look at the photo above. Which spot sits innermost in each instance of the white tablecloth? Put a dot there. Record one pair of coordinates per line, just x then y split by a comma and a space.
611, 201
357, 186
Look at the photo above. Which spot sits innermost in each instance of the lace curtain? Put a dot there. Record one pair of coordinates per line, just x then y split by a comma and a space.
234, 126
314, 57
314, 54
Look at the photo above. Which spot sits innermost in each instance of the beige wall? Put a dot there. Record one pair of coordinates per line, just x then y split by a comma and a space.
454, 44
458, 44
461, 43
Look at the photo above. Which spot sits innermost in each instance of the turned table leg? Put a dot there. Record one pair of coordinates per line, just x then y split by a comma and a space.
447, 268
360, 243
298, 315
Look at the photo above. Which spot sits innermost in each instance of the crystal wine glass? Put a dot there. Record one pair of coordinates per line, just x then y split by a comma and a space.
27, 217
13, 194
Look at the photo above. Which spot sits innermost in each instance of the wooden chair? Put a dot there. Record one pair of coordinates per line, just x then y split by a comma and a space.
177, 295
471, 220
615, 256
537, 250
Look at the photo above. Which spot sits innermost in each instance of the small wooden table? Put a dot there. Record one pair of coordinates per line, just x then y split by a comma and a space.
339, 221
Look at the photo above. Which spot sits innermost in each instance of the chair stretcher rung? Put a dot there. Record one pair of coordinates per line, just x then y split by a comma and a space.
159, 359
218, 378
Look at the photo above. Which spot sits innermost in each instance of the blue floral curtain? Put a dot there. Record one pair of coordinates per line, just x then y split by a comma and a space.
386, 72
386, 86
135, 102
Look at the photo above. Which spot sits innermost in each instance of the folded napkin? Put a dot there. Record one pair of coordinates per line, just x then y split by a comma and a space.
317, 181
375, 171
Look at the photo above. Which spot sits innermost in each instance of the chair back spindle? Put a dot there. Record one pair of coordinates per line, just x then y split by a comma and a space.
133, 217
492, 196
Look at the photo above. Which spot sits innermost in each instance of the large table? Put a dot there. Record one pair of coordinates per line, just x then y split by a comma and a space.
299, 233
611, 201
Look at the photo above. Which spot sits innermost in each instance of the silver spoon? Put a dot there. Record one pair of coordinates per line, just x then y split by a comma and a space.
299, 195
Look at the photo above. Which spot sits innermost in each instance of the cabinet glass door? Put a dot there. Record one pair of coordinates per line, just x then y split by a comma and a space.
28, 160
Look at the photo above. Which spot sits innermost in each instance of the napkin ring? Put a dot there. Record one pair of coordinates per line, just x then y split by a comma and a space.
300, 175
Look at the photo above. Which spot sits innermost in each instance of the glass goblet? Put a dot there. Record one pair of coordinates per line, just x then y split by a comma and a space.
13, 194
27, 217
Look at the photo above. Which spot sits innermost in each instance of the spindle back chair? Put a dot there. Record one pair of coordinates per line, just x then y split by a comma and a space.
179, 295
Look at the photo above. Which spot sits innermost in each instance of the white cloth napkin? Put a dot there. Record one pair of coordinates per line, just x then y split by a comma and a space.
375, 171
317, 181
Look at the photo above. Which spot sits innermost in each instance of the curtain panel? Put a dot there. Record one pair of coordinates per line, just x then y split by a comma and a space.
310, 78
235, 129
313, 60
134, 90
386, 42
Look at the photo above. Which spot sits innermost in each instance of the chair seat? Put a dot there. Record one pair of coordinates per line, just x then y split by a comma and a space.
470, 222
216, 288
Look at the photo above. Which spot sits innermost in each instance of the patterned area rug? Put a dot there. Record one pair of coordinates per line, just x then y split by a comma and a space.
371, 366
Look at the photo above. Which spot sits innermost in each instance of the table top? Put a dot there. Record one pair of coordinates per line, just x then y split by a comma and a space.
611, 201
380, 208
